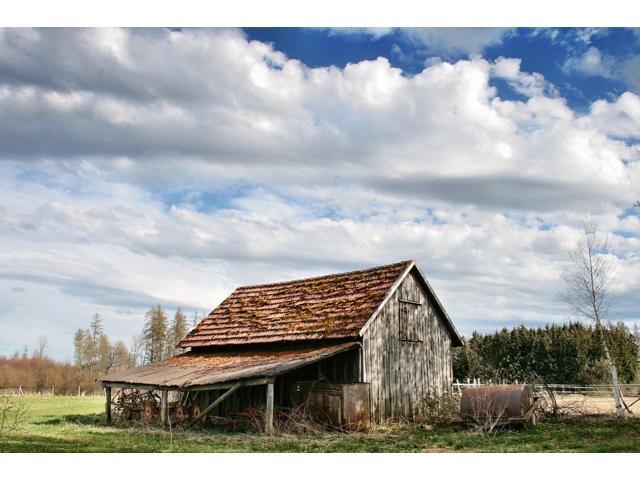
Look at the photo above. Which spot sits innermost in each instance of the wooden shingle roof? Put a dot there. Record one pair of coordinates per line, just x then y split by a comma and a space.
196, 369
327, 307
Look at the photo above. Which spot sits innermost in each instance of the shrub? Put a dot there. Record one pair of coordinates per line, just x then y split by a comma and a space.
437, 408
12, 416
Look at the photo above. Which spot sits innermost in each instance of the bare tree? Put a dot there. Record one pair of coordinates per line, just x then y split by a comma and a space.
41, 372
43, 343
137, 350
588, 279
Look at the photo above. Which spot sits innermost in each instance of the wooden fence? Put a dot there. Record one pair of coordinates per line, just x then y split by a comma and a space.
25, 391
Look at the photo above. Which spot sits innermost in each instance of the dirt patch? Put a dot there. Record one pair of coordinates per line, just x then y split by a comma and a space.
593, 405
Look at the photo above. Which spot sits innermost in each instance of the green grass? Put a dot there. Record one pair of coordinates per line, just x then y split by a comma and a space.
71, 424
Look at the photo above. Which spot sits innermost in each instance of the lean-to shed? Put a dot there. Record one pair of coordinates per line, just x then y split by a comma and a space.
381, 330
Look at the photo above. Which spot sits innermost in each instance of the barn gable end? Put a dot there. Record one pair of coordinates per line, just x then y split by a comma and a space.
407, 349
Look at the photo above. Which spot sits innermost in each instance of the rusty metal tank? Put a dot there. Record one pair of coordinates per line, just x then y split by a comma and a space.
511, 401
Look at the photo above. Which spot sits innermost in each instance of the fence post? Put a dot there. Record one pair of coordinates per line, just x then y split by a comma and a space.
268, 416
107, 404
164, 409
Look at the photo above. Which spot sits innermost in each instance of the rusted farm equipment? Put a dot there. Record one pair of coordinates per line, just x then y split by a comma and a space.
500, 405
135, 405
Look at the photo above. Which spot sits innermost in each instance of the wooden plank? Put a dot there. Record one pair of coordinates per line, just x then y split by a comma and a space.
410, 302
164, 408
422, 325
216, 402
136, 386
268, 417
373, 382
224, 386
397, 390
387, 365
107, 404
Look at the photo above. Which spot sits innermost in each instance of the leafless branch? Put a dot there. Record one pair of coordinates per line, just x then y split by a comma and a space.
588, 278
12, 415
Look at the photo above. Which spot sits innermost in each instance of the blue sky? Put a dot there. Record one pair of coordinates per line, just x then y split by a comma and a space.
542, 50
172, 165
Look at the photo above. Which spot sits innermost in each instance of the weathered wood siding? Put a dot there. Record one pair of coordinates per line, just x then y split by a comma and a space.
403, 361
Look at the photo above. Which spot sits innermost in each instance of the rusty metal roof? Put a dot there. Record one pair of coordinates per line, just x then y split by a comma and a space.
331, 306
195, 369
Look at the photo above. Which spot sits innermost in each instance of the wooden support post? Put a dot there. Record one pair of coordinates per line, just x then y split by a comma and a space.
107, 404
216, 402
268, 416
164, 408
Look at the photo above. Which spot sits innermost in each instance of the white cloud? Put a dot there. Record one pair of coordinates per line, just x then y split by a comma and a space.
438, 40
620, 117
372, 32
593, 63
528, 84
456, 41
146, 166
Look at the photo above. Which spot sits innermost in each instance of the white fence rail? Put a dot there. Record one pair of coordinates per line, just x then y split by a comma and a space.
23, 391
632, 389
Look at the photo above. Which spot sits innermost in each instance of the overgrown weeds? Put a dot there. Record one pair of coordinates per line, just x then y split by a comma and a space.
437, 408
12, 417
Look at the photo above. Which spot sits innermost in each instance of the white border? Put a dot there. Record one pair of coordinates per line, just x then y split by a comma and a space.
496, 13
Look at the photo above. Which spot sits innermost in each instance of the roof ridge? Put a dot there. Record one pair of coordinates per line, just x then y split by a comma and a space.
319, 277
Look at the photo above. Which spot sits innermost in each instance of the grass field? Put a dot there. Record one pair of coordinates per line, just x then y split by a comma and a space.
76, 424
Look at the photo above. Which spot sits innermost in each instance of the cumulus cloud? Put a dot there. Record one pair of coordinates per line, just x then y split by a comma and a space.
457, 41
446, 41
593, 63
528, 84
155, 166
620, 117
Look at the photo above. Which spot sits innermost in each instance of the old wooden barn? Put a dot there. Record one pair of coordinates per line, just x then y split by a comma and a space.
373, 342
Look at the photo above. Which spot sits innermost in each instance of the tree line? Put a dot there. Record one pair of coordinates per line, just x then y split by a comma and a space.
571, 354
95, 354
38, 372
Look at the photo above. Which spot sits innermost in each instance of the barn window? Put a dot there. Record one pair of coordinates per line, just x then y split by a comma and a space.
409, 320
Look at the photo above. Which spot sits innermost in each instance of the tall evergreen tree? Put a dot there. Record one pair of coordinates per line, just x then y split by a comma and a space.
79, 340
155, 335
177, 331
96, 328
121, 357
105, 353
92, 342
